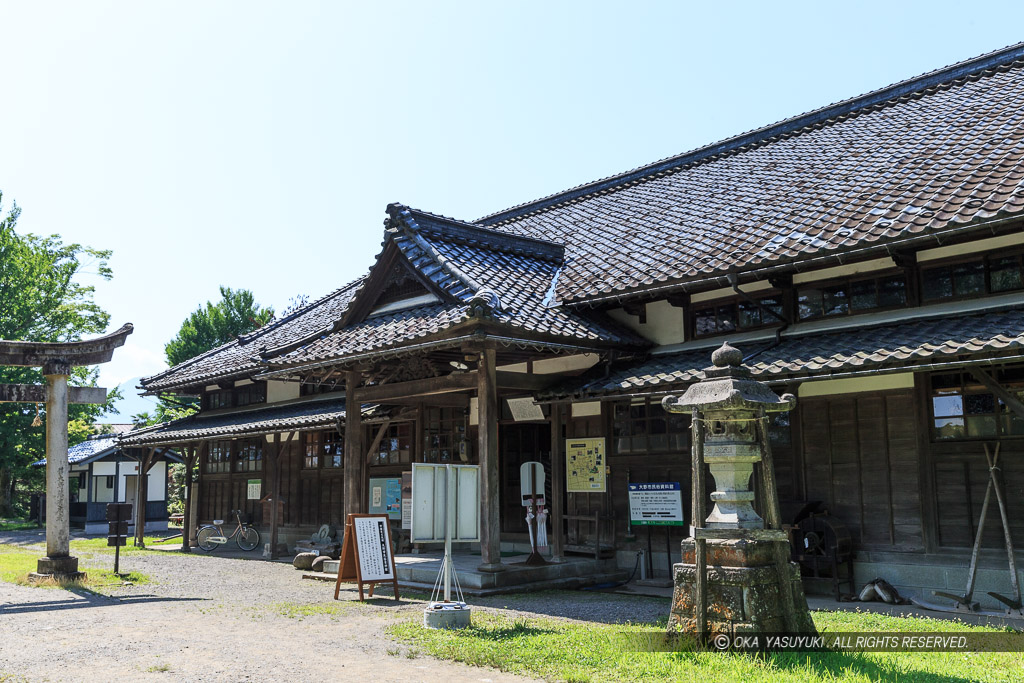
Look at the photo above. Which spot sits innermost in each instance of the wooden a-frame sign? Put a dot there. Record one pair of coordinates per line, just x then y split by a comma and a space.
367, 557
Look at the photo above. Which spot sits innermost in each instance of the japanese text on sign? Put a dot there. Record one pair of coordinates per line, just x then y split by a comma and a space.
656, 504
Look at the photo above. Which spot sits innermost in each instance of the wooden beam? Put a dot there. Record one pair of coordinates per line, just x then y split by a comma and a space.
557, 484
376, 440
353, 444
1011, 401
36, 393
525, 382
490, 529
457, 381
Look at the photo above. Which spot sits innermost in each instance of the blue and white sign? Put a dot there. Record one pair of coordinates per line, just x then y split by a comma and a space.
656, 504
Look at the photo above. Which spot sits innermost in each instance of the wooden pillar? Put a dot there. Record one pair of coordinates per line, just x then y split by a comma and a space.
557, 484
354, 451
490, 527
142, 496
275, 490
198, 456
188, 454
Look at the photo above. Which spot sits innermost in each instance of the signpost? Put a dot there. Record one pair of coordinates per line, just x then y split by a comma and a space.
118, 515
367, 557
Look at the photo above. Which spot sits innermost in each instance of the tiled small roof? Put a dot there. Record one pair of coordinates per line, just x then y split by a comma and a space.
94, 448
241, 356
313, 414
815, 355
467, 264
928, 154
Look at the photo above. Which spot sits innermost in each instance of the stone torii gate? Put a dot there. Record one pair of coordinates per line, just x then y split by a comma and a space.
56, 360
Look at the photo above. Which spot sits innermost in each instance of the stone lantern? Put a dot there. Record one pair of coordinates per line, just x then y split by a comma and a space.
750, 586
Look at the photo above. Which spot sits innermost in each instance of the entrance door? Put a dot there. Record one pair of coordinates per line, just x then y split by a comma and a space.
521, 443
130, 491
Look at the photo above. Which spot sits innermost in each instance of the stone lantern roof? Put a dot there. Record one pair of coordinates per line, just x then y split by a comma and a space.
728, 384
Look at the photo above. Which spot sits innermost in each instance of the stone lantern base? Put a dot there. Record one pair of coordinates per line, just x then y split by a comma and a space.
56, 568
743, 591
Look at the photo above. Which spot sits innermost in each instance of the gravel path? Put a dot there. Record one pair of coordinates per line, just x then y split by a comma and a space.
210, 618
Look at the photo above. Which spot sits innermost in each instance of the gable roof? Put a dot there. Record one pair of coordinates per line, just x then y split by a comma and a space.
240, 357
482, 276
918, 158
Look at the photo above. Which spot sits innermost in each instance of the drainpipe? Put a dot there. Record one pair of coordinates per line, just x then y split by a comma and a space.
734, 283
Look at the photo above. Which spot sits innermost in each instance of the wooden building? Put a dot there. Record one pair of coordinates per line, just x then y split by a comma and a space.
866, 256
102, 471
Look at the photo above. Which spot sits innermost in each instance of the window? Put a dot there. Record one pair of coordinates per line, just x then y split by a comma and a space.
645, 427
962, 408
851, 297
992, 275
218, 399
444, 436
311, 449
395, 446
332, 445
251, 394
314, 387
250, 455
735, 315
218, 458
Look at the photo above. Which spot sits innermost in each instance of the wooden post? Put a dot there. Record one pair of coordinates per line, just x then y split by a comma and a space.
700, 557
189, 456
557, 485
275, 490
142, 496
354, 451
487, 399
773, 519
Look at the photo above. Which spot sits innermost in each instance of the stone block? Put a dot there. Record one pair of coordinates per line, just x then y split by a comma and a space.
57, 565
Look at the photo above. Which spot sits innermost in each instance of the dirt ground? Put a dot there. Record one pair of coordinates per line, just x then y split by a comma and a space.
206, 618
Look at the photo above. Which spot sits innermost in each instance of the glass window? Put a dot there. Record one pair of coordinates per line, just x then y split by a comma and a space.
645, 427
445, 437
965, 280
332, 448
250, 455
964, 409
218, 457
732, 316
852, 297
1005, 274
396, 445
311, 450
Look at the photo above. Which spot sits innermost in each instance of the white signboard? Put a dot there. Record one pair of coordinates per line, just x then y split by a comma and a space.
373, 550
430, 500
531, 474
253, 488
656, 504
524, 409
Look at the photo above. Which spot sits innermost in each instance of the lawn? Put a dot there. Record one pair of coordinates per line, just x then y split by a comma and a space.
561, 650
17, 524
99, 545
16, 563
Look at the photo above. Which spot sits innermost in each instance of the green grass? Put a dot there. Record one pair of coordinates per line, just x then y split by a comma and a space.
570, 651
95, 545
17, 525
16, 563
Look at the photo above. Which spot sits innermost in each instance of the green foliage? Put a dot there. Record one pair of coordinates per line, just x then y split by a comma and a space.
215, 324
41, 300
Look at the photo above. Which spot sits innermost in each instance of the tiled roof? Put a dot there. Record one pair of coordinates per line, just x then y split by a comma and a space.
296, 417
241, 356
94, 448
863, 348
925, 155
470, 267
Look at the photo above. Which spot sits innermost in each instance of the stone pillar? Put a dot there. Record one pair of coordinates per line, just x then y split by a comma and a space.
354, 452
58, 560
490, 526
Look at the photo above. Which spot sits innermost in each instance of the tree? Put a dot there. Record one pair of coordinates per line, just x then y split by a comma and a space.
214, 324
40, 300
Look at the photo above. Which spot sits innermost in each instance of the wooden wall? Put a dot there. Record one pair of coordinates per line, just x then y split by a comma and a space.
860, 455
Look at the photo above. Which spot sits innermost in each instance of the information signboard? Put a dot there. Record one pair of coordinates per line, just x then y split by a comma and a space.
430, 500
585, 465
656, 504
253, 489
366, 554
407, 500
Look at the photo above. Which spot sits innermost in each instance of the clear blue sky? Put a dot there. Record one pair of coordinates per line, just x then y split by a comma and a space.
256, 144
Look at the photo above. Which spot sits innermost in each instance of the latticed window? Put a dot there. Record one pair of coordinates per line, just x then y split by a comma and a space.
251, 394
736, 315
218, 457
396, 445
851, 297
444, 436
332, 446
992, 275
644, 427
311, 450
250, 455
963, 408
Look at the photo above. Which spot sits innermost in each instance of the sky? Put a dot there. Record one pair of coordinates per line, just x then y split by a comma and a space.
257, 144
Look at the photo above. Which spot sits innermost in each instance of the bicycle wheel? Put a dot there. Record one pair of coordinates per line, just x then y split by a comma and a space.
203, 538
248, 538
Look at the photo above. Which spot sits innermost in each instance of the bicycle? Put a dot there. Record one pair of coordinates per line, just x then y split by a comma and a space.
210, 536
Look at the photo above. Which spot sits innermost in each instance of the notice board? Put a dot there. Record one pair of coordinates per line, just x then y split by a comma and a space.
386, 497
585, 465
656, 504
366, 554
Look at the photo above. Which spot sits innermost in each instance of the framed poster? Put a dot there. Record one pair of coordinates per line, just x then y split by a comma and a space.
386, 497
585, 464
656, 504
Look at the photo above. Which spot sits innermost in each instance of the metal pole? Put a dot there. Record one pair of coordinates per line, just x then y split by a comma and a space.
449, 522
